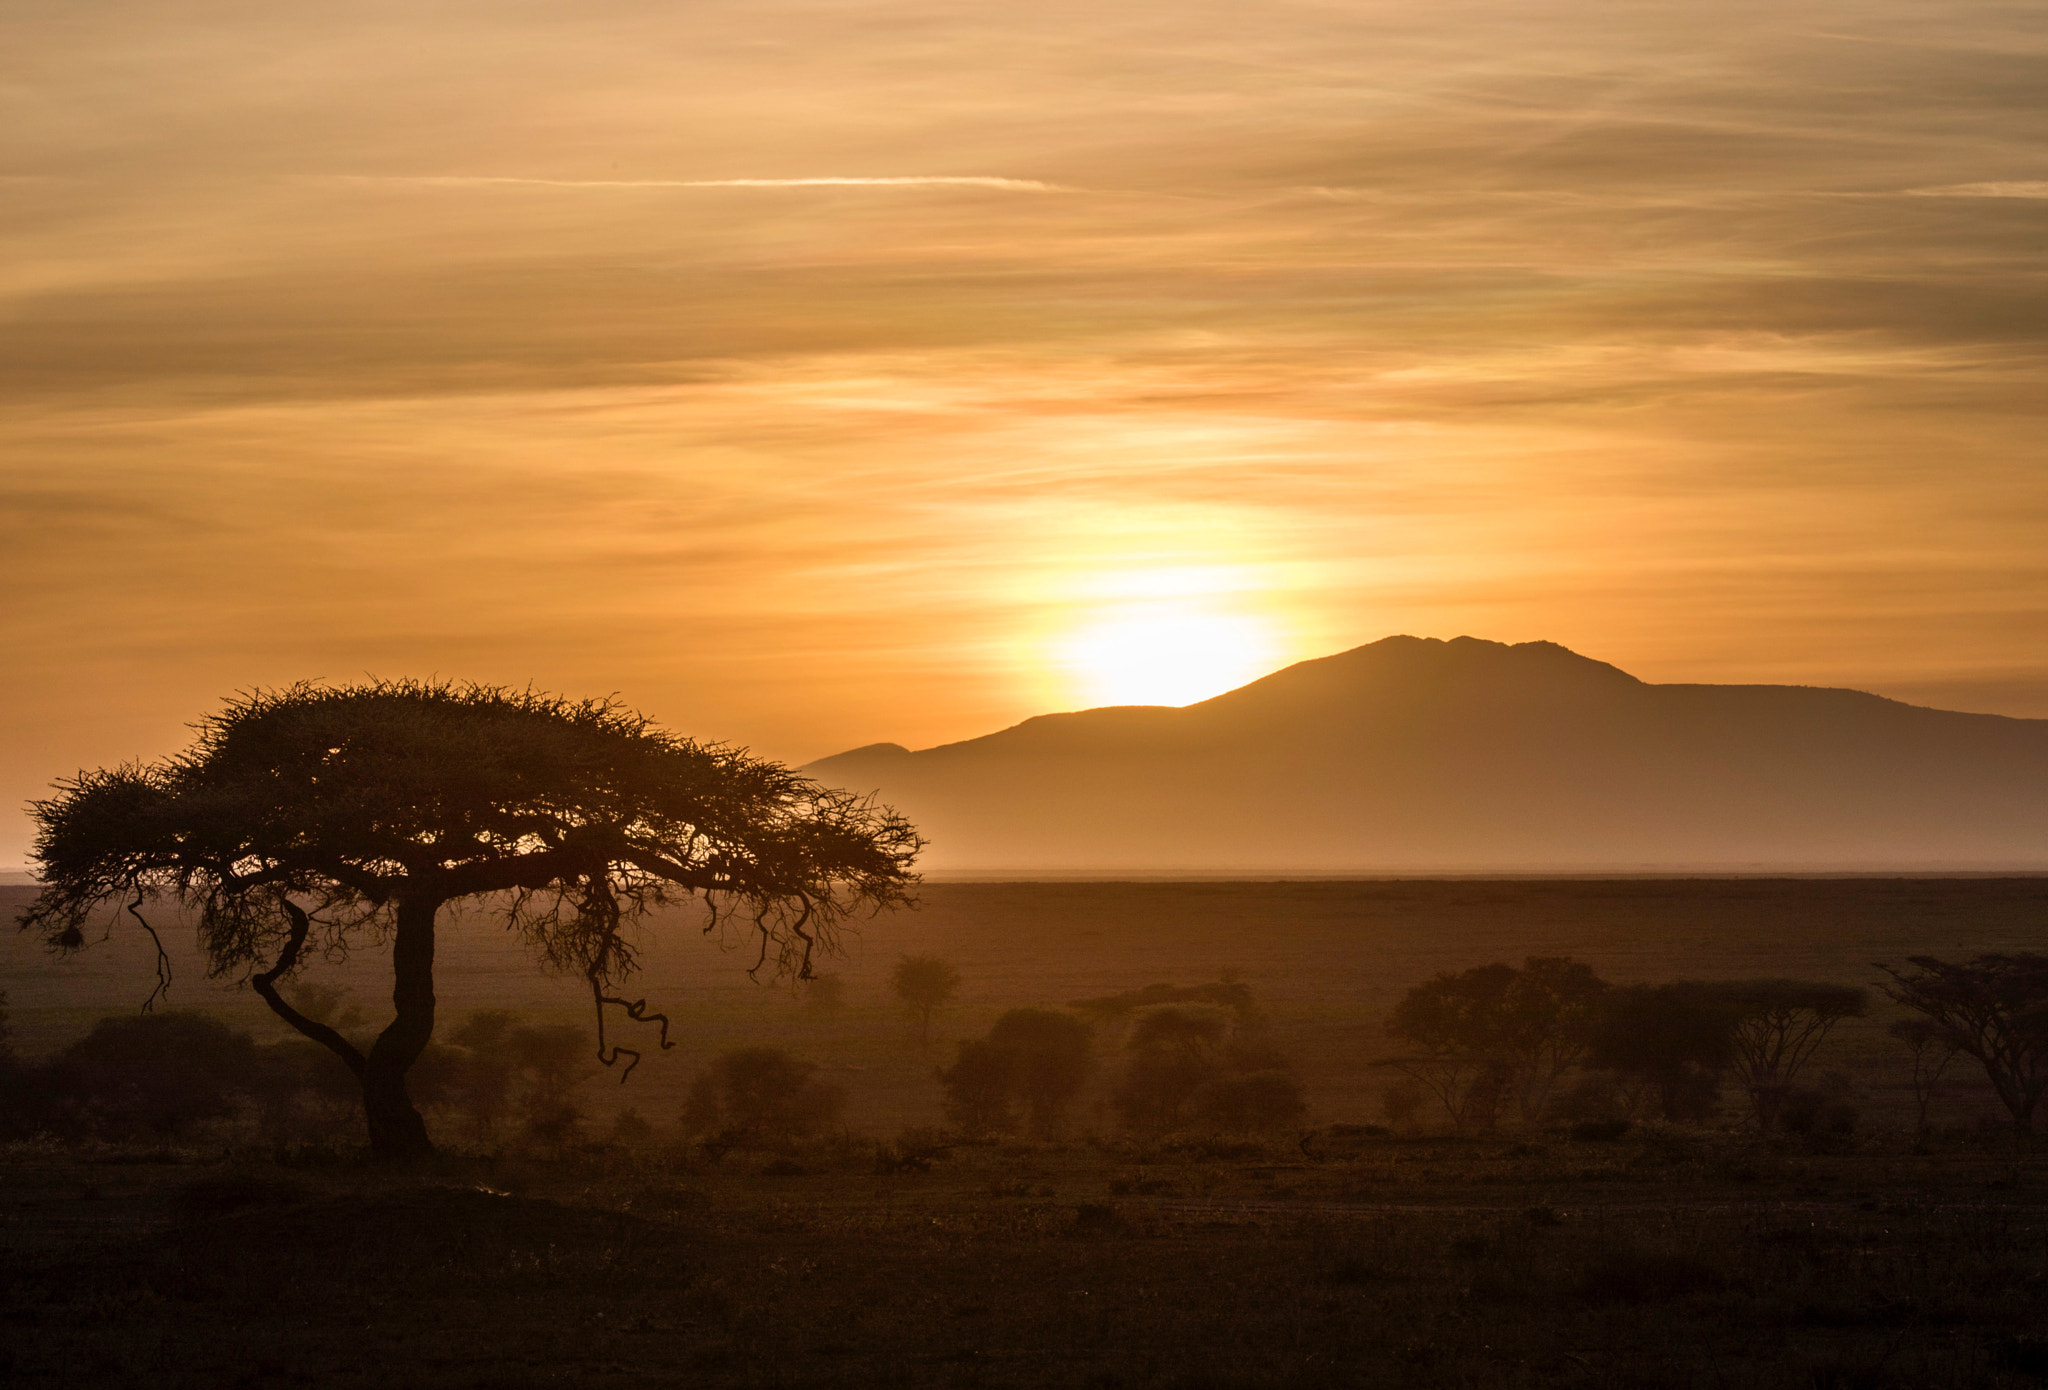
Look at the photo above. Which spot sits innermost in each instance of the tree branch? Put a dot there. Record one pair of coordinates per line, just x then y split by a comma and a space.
266, 985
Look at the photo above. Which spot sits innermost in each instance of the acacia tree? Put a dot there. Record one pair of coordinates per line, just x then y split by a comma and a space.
1778, 1026
335, 816
925, 984
1993, 1008
1495, 1033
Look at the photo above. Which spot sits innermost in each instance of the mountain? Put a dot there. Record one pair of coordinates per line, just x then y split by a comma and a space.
1413, 754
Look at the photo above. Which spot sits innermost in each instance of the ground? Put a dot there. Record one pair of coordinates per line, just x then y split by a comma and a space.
1662, 1258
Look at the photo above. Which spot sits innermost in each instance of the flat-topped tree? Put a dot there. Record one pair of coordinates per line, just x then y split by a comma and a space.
334, 816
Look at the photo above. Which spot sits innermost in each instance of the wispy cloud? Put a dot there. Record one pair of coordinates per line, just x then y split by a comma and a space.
2004, 188
909, 181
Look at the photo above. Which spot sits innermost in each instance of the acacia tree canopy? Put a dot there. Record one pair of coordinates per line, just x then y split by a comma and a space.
335, 816
1994, 1008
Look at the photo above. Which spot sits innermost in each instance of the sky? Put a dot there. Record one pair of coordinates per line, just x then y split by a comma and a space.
814, 374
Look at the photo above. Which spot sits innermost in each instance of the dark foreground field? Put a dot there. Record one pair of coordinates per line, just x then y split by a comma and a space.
1663, 1258
1863, 1255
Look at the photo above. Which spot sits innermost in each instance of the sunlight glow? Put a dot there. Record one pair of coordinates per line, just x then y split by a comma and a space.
1167, 653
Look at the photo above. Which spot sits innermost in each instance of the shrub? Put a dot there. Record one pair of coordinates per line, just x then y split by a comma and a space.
154, 1074
1250, 1102
1200, 1064
760, 1097
493, 1069
1033, 1061
981, 1087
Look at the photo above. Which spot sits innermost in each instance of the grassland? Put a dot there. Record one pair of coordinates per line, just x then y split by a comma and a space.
1327, 960
1664, 1258
1712, 1257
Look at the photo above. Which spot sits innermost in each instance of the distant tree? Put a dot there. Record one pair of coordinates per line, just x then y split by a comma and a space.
1033, 1060
759, 1097
1053, 1058
7, 1058
981, 1087
1932, 1051
630, 1130
494, 1069
1495, 1035
1175, 1050
1669, 1044
925, 984
1204, 1066
1993, 1008
343, 815
323, 1004
1778, 1025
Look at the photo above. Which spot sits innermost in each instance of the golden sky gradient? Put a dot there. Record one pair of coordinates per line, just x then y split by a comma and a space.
813, 374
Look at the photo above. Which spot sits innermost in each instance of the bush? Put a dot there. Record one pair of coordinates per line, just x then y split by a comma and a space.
981, 1087
1033, 1060
1200, 1064
1250, 1102
153, 1075
760, 1097
494, 1070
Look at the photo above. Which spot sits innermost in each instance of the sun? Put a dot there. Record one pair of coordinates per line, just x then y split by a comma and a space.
1166, 653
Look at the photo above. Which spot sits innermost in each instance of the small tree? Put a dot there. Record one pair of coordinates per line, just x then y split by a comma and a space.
1175, 1050
1932, 1053
1994, 1008
1038, 1058
1494, 1035
925, 984
1204, 1065
981, 1087
1778, 1025
1052, 1052
1672, 1043
338, 816
154, 1074
760, 1097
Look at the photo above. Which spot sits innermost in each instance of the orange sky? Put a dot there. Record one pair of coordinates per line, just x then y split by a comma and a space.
813, 374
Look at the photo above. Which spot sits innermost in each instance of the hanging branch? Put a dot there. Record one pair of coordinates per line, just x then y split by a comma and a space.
163, 959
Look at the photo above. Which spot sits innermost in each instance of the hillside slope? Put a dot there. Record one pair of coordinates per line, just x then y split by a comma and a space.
1417, 754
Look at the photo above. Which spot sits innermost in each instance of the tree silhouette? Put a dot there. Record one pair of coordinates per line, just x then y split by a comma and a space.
1994, 1008
760, 1096
925, 984
1494, 1034
342, 815
1039, 1057
1672, 1043
1932, 1053
1779, 1024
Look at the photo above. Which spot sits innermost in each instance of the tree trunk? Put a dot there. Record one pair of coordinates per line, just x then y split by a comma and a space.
396, 1129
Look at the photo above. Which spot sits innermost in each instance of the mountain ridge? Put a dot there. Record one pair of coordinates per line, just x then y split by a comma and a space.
1416, 753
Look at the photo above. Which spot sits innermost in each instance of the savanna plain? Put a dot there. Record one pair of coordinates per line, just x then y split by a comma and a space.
900, 1227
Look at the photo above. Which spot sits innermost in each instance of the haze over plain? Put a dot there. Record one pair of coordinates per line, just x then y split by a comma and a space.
820, 374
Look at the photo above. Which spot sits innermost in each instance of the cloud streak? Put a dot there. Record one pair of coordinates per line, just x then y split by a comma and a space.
2001, 188
900, 181
1683, 334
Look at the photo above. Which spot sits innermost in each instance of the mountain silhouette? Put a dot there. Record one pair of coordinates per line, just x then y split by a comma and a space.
1413, 754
